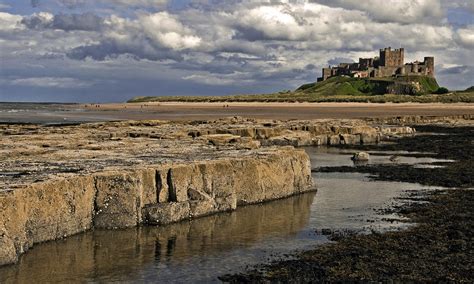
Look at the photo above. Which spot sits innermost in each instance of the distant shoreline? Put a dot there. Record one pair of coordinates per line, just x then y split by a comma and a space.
182, 111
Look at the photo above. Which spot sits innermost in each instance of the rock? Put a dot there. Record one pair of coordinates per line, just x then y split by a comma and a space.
121, 174
369, 138
350, 139
334, 140
394, 158
360, 157
221, 139
166, 213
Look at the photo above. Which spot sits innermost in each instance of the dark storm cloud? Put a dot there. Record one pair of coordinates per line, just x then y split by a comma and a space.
66, 22
110, 50
218, 65
84, 22
454, 70
251, 34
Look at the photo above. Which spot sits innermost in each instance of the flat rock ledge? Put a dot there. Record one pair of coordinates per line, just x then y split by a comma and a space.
56, 181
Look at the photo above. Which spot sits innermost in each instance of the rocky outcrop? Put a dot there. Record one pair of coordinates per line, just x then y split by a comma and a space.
360, 156
465, 119
297, 132
156, 195
59, 181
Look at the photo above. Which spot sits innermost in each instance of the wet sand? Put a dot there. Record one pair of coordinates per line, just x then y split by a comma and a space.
184, 111
198, 111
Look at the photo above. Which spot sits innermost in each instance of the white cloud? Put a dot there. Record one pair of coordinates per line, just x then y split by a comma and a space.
166, 30
400, 11
9, 21
465, 37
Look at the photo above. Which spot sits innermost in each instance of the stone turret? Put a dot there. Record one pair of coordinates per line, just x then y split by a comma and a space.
429, 63
391, 58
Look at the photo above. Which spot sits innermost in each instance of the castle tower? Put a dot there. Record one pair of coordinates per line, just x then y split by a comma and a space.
429, 63
392, 58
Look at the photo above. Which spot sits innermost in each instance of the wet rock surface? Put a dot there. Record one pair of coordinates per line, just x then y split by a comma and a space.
438, 248
61, 180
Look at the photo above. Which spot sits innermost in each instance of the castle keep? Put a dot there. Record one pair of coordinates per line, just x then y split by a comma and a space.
389, 63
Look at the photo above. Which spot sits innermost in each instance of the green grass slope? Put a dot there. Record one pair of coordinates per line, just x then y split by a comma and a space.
345, 86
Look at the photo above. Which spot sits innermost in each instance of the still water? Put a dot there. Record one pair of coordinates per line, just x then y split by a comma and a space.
201, 250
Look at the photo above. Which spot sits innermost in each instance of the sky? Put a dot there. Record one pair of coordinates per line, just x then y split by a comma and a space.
112, 50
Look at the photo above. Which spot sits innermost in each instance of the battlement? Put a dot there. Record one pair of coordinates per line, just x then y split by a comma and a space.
401, 49
389, 63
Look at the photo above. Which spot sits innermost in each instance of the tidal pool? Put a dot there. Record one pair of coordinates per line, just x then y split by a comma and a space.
203, 249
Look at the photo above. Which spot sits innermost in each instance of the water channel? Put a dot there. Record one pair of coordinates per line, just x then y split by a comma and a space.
203, 249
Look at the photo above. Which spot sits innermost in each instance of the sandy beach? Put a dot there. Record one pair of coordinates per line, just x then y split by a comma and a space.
185, 111
76, 113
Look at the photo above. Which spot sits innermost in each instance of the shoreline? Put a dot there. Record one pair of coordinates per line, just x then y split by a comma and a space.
181, 111
285, 104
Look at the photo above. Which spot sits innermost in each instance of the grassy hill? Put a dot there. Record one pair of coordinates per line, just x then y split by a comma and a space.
343, 89
345, 86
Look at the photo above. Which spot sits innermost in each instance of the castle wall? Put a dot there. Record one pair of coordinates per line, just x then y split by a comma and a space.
385, 71
326, 73
365, 63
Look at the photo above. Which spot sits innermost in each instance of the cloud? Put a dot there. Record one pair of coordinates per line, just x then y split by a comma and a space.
337, 60
66, 22
399, 11
138, 3
465, 36
9, 22
155, 36
459, 69
271, 22
167, 31
72, 4
51, 82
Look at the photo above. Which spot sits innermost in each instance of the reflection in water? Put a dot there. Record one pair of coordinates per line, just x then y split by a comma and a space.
123, 255
335, 157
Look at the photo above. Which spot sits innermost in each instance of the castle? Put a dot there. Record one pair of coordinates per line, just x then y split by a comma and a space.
389, 63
